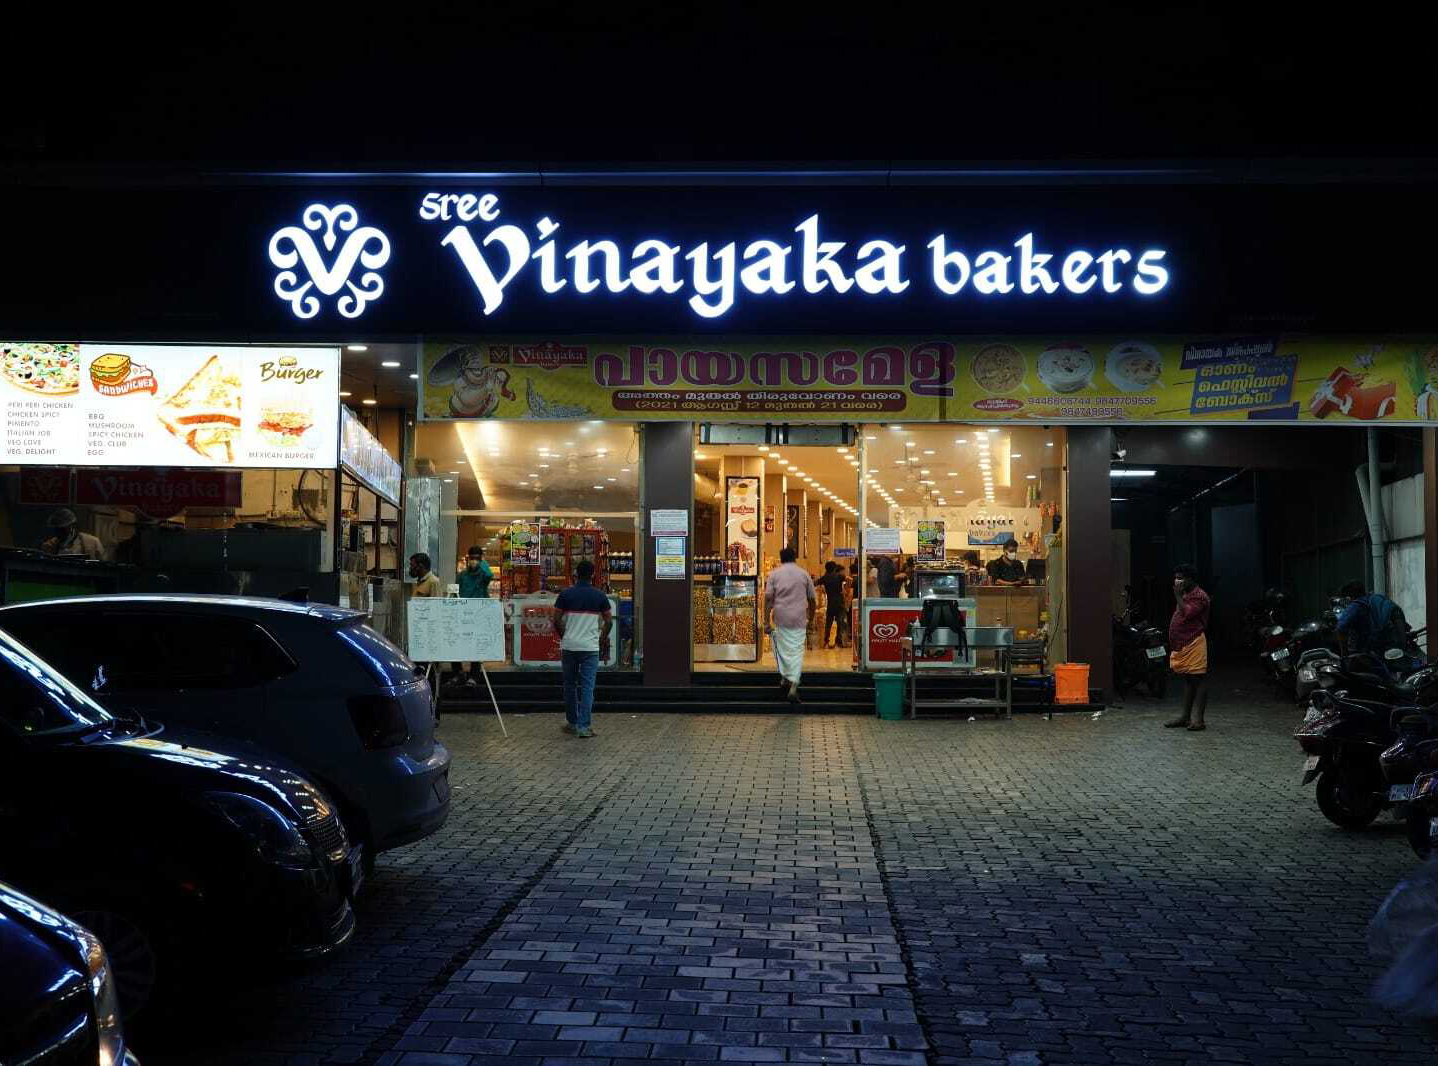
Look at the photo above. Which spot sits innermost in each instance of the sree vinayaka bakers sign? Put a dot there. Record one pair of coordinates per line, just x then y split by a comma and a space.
335, 258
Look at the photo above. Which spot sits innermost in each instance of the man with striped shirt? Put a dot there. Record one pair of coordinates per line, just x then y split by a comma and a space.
582, 619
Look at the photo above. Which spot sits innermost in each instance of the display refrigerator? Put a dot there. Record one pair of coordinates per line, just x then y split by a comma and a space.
726, 619
940, 581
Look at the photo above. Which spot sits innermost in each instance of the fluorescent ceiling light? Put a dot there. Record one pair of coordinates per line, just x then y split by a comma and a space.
356, 347
1132, 473
369, 402
599, 486
1032, 477
390, 364
344, 394
414, 377
1049, 444
1015, 455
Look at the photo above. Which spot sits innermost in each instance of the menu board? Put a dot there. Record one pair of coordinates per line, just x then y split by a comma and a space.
441, 629
931, 542
169, 405
741, 526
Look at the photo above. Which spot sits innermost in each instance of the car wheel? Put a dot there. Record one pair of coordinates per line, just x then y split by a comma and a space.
131, 950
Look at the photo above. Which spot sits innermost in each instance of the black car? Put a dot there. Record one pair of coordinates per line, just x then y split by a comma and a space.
57, 993
162, 843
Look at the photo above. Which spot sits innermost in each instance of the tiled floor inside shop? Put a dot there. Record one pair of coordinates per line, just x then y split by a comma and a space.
838, 889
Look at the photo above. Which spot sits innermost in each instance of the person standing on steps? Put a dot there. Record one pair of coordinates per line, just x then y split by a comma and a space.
834, 582
1189, 647
582, 618
474, 582
788, 612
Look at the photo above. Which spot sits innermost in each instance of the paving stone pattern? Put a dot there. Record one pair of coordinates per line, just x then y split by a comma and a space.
836, 889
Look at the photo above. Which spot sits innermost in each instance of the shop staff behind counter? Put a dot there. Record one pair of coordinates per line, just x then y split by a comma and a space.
1006, 569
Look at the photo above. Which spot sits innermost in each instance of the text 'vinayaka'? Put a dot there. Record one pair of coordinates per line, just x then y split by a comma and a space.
713, 275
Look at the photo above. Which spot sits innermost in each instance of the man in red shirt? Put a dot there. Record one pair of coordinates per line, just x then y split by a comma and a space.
1188, 647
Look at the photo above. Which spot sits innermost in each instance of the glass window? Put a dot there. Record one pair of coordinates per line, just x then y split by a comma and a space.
139, 651
35, 701
534, 498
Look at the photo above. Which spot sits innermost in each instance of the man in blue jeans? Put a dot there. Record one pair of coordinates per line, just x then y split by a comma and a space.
582, 619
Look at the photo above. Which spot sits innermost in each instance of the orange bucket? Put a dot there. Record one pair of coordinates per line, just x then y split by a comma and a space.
1071, 682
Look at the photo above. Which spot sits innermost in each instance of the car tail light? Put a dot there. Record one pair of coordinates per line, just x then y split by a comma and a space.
379, 721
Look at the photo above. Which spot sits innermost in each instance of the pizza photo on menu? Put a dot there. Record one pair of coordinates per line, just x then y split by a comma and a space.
44, 369
205, 411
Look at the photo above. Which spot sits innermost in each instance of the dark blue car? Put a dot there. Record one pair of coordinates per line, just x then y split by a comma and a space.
58, 1000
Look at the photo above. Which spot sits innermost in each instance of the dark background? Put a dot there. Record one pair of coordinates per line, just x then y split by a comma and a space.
355, 86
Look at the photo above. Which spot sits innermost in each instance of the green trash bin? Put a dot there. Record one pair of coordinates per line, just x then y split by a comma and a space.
889, 696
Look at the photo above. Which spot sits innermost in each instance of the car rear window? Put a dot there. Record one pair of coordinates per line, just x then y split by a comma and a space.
385, 662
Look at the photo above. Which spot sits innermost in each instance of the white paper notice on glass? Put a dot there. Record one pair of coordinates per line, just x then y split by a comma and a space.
881, 541
455, 630
668, 523
669, 557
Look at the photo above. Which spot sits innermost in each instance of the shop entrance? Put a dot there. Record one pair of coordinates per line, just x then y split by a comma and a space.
751, 501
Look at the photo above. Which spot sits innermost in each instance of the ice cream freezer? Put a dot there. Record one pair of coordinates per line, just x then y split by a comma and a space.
885, 624
535, 642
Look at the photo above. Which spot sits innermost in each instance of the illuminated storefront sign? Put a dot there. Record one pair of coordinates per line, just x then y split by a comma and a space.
710, 276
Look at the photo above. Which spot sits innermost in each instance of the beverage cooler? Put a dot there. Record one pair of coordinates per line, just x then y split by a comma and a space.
940, 581
726, 619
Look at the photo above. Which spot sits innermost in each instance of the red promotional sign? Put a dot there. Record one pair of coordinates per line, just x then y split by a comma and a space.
158, 491
538, 642
887, 627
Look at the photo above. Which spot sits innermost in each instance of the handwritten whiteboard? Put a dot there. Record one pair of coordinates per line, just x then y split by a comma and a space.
456, 630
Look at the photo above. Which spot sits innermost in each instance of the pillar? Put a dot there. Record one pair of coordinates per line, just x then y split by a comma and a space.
667, 466
1087, 532
1430, 523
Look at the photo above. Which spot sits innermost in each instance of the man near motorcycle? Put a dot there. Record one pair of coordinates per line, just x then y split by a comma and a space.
1371, 622
1189, 654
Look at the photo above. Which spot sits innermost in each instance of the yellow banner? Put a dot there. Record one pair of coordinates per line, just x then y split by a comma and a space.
750, 379
1179, 379
924, 379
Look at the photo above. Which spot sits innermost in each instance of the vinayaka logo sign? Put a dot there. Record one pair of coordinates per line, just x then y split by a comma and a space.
495, 252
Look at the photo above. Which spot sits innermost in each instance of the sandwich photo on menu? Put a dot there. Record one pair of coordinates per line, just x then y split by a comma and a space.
205, 411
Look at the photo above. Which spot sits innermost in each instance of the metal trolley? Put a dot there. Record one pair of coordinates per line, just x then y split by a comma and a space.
998, 639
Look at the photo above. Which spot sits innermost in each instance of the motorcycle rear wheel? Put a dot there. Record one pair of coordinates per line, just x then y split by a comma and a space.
1344, 801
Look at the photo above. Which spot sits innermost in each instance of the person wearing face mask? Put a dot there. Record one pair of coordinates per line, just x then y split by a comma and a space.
475, 578
1007, 570
1188, 656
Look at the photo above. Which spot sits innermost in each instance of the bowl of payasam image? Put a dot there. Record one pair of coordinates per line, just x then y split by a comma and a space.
1066, 367
1133, 366
998, 368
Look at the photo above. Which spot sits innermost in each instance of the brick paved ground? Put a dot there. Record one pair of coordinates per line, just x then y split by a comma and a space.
764, 889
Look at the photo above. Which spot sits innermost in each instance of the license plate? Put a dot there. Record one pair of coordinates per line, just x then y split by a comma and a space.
1280, 655
1400, 793
356, 863
1311, 763
1156, 653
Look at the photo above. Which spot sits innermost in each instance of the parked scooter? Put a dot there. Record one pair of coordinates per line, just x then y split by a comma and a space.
1283, 661
1414, 752
1346, 730
1140, 654
1423, 815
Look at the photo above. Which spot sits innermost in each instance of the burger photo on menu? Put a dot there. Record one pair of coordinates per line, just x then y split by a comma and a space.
284, 424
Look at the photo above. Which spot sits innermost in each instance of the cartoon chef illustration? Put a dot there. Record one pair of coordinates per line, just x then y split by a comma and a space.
478, 388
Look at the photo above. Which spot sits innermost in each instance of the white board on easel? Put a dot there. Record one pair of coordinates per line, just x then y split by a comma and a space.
456, 630
451, 630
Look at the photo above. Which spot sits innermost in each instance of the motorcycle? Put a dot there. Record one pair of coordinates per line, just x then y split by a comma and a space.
1140, 655
1285, 659
1260, 618
1414, 752
1347, 729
